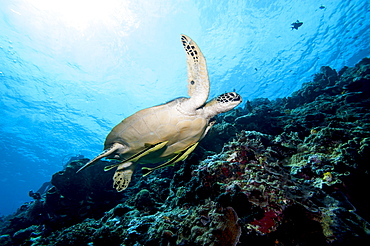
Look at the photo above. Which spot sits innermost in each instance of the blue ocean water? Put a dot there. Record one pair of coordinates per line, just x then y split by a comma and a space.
71, 70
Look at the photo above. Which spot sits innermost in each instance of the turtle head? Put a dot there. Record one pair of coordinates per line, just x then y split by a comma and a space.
222, 104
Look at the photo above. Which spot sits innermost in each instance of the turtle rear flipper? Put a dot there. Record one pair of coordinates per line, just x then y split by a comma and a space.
122, 176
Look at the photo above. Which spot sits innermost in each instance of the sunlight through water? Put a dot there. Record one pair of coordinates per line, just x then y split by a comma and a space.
80, 14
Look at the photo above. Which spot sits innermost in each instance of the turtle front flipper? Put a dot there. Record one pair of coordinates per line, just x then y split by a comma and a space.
122, 176
182, 155
105, 153
149, 148
198, 81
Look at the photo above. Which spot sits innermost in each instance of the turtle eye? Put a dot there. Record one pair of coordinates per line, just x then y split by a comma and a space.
236, 97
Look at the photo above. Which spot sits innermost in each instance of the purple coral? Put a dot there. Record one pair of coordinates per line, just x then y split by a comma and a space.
314, 159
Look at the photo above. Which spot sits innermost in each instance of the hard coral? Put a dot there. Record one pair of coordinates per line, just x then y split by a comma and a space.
222, 227
272, 179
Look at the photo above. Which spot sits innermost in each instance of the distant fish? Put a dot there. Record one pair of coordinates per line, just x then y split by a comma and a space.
296, 25
322, 7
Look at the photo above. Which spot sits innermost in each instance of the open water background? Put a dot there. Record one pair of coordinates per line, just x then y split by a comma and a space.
71, 70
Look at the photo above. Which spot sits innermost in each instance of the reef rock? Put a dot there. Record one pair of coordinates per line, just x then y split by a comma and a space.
291, 171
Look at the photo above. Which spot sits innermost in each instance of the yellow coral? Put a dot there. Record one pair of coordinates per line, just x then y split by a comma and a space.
328, 177
313, 131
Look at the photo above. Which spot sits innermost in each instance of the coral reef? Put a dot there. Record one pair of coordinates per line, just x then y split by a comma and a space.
292, 171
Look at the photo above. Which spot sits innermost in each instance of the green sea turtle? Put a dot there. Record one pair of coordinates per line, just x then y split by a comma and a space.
167, 133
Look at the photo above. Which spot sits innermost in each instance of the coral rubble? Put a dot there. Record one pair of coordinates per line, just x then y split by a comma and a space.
292, 171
